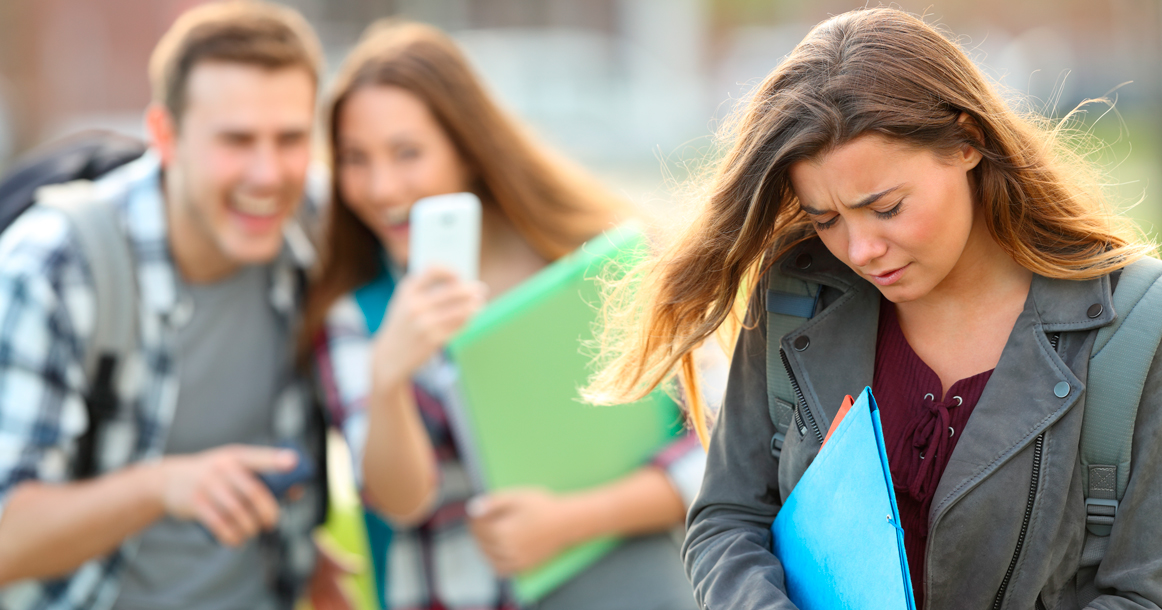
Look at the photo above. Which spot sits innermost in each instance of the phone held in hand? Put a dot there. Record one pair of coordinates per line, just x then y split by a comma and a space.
445, 230
279, 483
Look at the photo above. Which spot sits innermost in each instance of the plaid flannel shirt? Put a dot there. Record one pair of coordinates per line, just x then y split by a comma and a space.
47, 313
438, 565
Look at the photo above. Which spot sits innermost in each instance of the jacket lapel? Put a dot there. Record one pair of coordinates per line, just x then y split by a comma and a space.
1024, 396
839, 357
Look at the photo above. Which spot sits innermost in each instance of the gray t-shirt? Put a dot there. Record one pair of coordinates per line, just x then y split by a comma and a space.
235, 354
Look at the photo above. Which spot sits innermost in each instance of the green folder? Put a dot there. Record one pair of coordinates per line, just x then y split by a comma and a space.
520, 420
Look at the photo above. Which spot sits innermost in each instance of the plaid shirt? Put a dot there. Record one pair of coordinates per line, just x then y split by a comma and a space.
46, 318
438, 566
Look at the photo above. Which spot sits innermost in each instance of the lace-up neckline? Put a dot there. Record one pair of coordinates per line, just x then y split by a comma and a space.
921, 429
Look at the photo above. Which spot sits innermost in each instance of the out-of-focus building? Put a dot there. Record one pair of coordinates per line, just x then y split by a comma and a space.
625, 86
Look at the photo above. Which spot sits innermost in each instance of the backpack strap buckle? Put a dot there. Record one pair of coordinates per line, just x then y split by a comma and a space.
1100, 511
777, 441
781, 413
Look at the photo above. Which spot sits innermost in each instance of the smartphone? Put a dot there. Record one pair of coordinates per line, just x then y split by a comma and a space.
280, 482
445, 230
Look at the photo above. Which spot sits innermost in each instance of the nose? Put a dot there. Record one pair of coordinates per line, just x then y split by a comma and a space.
265, 169
864, 245
385, 186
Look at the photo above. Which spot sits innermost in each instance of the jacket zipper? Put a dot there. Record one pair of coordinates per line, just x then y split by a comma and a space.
1038, 446
799, 425
802, 412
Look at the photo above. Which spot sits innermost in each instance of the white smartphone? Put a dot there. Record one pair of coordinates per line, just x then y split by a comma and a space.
445, 230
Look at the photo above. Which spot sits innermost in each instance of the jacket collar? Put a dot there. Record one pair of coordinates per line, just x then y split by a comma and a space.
136, 187
813, 262
1022, 397
1062, 305
1032, 386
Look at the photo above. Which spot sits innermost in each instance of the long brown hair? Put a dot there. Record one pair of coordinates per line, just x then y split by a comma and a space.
553, 205
881, 71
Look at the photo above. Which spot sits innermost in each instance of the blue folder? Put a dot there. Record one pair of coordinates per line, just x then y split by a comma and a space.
838, 534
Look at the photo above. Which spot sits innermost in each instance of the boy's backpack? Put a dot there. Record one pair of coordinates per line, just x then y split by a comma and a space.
60, 176
1122, 353
85, 156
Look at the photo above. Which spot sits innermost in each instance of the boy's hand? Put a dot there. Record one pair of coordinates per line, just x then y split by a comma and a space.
219, 489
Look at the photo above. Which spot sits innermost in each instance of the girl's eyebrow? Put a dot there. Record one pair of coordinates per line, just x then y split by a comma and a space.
863, 203
401, 138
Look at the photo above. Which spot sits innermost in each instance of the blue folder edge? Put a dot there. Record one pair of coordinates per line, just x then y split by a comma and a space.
867, 401
875, 412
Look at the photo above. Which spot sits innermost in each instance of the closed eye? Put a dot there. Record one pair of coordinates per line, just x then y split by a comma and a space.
826, 224
886, 214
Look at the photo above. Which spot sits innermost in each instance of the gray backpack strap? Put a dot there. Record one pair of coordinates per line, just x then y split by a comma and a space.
1121, 358
104, 245
790, 302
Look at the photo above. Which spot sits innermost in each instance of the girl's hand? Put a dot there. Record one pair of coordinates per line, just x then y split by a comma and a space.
425, 311
327, 587
520, 529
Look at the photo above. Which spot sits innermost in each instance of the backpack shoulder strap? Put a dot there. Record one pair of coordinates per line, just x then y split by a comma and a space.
104, 245
1121, 358
790, 302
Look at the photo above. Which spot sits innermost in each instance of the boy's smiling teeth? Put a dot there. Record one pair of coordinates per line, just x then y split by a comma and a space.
256, 206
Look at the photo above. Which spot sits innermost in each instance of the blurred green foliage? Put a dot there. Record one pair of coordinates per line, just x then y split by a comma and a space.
1130, 151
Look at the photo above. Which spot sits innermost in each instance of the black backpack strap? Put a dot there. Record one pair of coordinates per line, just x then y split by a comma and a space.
104, 245
320, 432
320, 417
790, 302
87, 155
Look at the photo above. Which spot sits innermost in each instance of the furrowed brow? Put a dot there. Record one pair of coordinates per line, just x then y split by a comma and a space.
863, 203
870, 199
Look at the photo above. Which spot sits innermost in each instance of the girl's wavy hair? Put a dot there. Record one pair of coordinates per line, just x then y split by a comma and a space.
554, 205
870, 71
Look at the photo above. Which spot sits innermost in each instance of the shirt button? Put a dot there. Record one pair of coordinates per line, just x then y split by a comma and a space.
803, 261
1094, 310
1061, 390
801, 343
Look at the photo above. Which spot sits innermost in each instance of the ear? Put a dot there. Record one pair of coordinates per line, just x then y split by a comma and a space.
163, 132
969, 155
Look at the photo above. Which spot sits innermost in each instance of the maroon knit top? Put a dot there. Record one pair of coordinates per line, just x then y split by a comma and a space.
920, 430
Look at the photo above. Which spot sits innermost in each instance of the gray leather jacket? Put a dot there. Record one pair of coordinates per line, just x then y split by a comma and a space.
1020, 438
